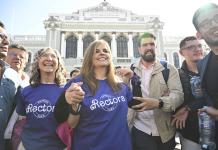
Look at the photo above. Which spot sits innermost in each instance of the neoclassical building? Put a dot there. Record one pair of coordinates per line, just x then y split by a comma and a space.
72, 33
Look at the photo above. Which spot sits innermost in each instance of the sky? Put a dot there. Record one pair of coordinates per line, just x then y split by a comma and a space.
25, 17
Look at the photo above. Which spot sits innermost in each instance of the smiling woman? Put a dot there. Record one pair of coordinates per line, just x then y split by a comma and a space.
37, 102
47, 61
103, 98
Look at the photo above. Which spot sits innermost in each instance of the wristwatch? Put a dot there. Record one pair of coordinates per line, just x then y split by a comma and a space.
161, 103
73, 112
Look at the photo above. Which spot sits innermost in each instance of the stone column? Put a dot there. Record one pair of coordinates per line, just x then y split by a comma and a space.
161, 46
80, 46
96, 35
114, 45
63, 45
157, 27
157, 43
52, 42
48, 40
130, 46
58, 40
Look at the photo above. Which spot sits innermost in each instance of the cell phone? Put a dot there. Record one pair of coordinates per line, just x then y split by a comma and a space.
134, 102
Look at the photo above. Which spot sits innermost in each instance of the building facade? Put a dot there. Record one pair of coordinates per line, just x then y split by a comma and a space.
72, 33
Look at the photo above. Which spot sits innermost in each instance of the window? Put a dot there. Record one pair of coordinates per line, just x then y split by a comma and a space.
176, 60
135, 46
107, 39
71, 47
122, 48
86, 41
165, 55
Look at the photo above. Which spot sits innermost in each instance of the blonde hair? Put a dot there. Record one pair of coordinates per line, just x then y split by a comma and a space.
35, 72
87, 70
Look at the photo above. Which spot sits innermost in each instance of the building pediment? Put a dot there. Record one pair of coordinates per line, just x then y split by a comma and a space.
104, 13
104, 9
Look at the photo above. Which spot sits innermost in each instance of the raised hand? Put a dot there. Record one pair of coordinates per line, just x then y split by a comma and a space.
74, 94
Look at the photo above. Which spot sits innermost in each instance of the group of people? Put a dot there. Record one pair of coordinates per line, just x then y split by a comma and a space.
104, 112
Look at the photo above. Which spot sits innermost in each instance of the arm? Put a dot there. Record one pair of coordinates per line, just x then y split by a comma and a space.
167, 98
210, 111
179, 118
175, 96
73, 120
68, 103
125, 74
74, 96
146, 103
9, 84
61, 110
190, 105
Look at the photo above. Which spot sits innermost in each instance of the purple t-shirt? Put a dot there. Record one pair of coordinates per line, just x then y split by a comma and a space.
103, 119
37, 104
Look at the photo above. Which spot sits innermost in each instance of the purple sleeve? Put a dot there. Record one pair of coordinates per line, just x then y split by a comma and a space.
129, 94
77, 79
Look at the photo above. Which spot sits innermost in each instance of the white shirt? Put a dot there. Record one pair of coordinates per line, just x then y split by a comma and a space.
144, 121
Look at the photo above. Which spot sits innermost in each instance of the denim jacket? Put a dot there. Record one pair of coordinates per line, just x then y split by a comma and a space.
9, 82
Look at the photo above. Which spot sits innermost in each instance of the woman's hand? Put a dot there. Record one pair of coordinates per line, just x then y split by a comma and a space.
125, 72
74, 94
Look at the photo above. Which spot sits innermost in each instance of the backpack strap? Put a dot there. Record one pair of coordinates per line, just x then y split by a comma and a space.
166, 71
132, 67
136, 83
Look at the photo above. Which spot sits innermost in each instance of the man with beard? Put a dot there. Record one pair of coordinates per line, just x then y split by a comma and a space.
152, 127
205, 21
9, 81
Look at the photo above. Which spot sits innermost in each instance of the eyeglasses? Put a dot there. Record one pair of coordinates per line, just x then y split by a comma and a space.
3, 36
12, 54
193, 47
208, 22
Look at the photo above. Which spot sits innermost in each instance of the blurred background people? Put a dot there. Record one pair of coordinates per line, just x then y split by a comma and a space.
17, 58
75, 72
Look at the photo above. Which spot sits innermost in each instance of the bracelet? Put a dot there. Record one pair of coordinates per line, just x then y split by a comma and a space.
73, 112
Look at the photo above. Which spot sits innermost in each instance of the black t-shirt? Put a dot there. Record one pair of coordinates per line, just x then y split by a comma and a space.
211, 78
